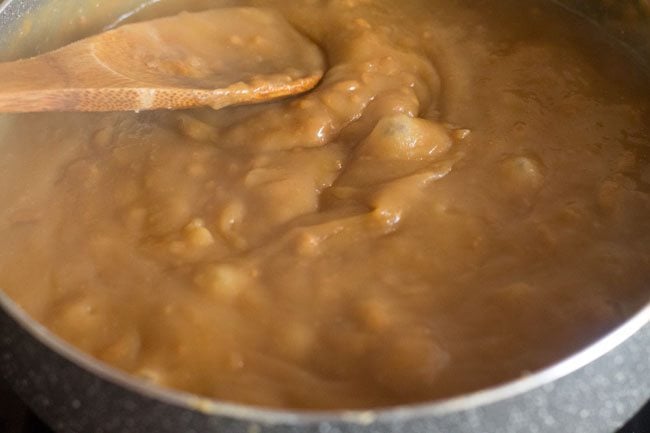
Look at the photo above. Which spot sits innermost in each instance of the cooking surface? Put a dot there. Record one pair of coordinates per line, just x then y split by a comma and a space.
15, 417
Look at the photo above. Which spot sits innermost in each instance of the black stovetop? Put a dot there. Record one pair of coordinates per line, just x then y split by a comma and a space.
15, 417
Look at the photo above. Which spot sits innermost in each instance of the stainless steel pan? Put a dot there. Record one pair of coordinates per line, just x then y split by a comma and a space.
594, 391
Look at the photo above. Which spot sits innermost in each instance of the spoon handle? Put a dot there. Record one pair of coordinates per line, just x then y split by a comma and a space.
213, 58
73, 79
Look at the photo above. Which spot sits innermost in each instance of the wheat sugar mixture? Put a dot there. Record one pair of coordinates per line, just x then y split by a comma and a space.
462, 200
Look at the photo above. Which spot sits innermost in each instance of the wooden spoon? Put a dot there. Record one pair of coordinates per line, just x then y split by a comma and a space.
216, 58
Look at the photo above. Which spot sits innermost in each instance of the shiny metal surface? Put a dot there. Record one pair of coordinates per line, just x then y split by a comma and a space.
594, 391
76, 395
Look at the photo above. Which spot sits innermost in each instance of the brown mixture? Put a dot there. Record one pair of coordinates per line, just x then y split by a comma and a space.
462, 200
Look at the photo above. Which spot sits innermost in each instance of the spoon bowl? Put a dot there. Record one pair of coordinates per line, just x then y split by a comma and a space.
215, 58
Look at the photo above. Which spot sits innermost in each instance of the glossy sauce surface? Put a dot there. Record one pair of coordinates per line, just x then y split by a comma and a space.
462, 200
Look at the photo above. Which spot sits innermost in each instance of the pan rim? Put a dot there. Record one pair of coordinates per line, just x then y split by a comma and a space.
214, 407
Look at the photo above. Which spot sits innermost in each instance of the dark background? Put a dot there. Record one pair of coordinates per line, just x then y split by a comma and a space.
16, 418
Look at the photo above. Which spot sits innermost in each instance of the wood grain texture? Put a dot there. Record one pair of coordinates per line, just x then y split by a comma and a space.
215, 58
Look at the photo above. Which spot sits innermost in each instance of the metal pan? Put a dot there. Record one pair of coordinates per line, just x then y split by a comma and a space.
593, 391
